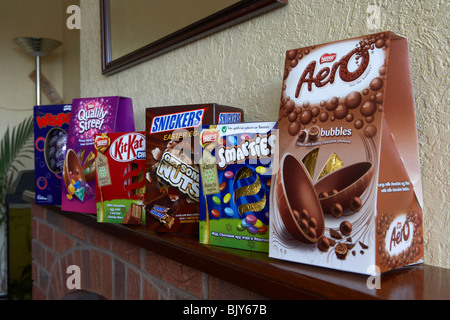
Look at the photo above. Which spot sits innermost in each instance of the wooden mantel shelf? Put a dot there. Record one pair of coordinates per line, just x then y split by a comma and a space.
277, 279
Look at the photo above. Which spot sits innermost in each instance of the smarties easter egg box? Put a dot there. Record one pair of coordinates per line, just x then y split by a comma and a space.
172, 172
51, 124
236, 170
120, 178
348, 194
90, 116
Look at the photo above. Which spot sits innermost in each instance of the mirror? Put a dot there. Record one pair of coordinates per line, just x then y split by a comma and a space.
137, 30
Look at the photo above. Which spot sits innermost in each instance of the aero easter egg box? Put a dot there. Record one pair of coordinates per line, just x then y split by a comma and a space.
90, 116
347, 194
172, 172
236, 171
51, 124
120, 165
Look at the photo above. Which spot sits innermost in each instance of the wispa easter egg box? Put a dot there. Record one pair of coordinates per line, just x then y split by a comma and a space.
90, 116
348, 191
236, 172
51, 123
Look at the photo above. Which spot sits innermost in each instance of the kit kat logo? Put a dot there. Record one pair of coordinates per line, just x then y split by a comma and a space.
327, 57
128, 147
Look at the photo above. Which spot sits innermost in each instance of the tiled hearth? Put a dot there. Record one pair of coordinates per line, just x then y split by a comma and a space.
112, 267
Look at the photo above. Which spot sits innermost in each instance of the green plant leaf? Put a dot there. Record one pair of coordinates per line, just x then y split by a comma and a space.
15, 146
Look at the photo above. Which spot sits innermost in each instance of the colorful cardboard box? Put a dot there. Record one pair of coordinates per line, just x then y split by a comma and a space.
120, 168
51, 124
172, 173
236, 173
90, 116
348, 194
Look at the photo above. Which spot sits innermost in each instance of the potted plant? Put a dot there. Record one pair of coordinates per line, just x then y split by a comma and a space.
15, 146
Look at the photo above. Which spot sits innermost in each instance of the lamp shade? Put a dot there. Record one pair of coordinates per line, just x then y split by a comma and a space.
37, 47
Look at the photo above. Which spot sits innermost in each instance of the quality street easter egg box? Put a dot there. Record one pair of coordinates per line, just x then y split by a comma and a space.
236, 170
90, 116
120, 167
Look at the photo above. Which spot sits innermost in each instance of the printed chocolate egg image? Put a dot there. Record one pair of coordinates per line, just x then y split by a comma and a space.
55, 149
74, 178
297, 201
342, 188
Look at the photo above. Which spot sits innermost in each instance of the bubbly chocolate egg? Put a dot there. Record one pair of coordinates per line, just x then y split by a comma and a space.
298, 204
350, 182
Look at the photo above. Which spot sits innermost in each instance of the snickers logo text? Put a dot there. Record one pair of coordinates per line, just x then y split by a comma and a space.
175, 121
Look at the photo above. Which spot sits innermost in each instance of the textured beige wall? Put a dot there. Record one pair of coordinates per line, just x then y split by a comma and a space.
243, 65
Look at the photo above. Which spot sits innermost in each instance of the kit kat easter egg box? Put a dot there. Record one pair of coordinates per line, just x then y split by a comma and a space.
120, 167
236, 167
90, 116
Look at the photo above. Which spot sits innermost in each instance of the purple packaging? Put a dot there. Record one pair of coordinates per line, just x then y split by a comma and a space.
51, 124
90, 116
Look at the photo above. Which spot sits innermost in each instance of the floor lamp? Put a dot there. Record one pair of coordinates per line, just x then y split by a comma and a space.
37, 47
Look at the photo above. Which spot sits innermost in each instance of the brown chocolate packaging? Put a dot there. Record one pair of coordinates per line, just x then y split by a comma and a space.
172, 173
348, 191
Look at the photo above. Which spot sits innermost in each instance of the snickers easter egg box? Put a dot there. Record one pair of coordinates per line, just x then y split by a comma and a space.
347, 193
172, 171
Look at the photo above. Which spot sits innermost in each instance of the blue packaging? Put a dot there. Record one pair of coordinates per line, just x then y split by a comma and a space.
236, 168
51, 123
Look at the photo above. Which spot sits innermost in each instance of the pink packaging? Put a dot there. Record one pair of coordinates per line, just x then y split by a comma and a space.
90, 116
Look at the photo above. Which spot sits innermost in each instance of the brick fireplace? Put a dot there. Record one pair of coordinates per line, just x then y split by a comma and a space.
111, 267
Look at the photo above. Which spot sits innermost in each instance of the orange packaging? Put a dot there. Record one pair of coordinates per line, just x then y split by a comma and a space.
348, 192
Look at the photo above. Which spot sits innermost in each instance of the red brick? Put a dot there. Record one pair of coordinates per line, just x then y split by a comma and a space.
76, 229
62, 242
86, 271
106, 274
55, 282
49, 260
96, 272
38, 252
38, 211
127, 251
100, 239
133, 285
149, 292
36, 293
182, 276
45, 235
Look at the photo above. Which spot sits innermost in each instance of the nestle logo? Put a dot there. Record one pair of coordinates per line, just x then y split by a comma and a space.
90, 105
327, 57
128, 147
209, 136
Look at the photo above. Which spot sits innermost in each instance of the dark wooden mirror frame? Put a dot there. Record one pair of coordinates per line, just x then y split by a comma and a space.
241, 11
